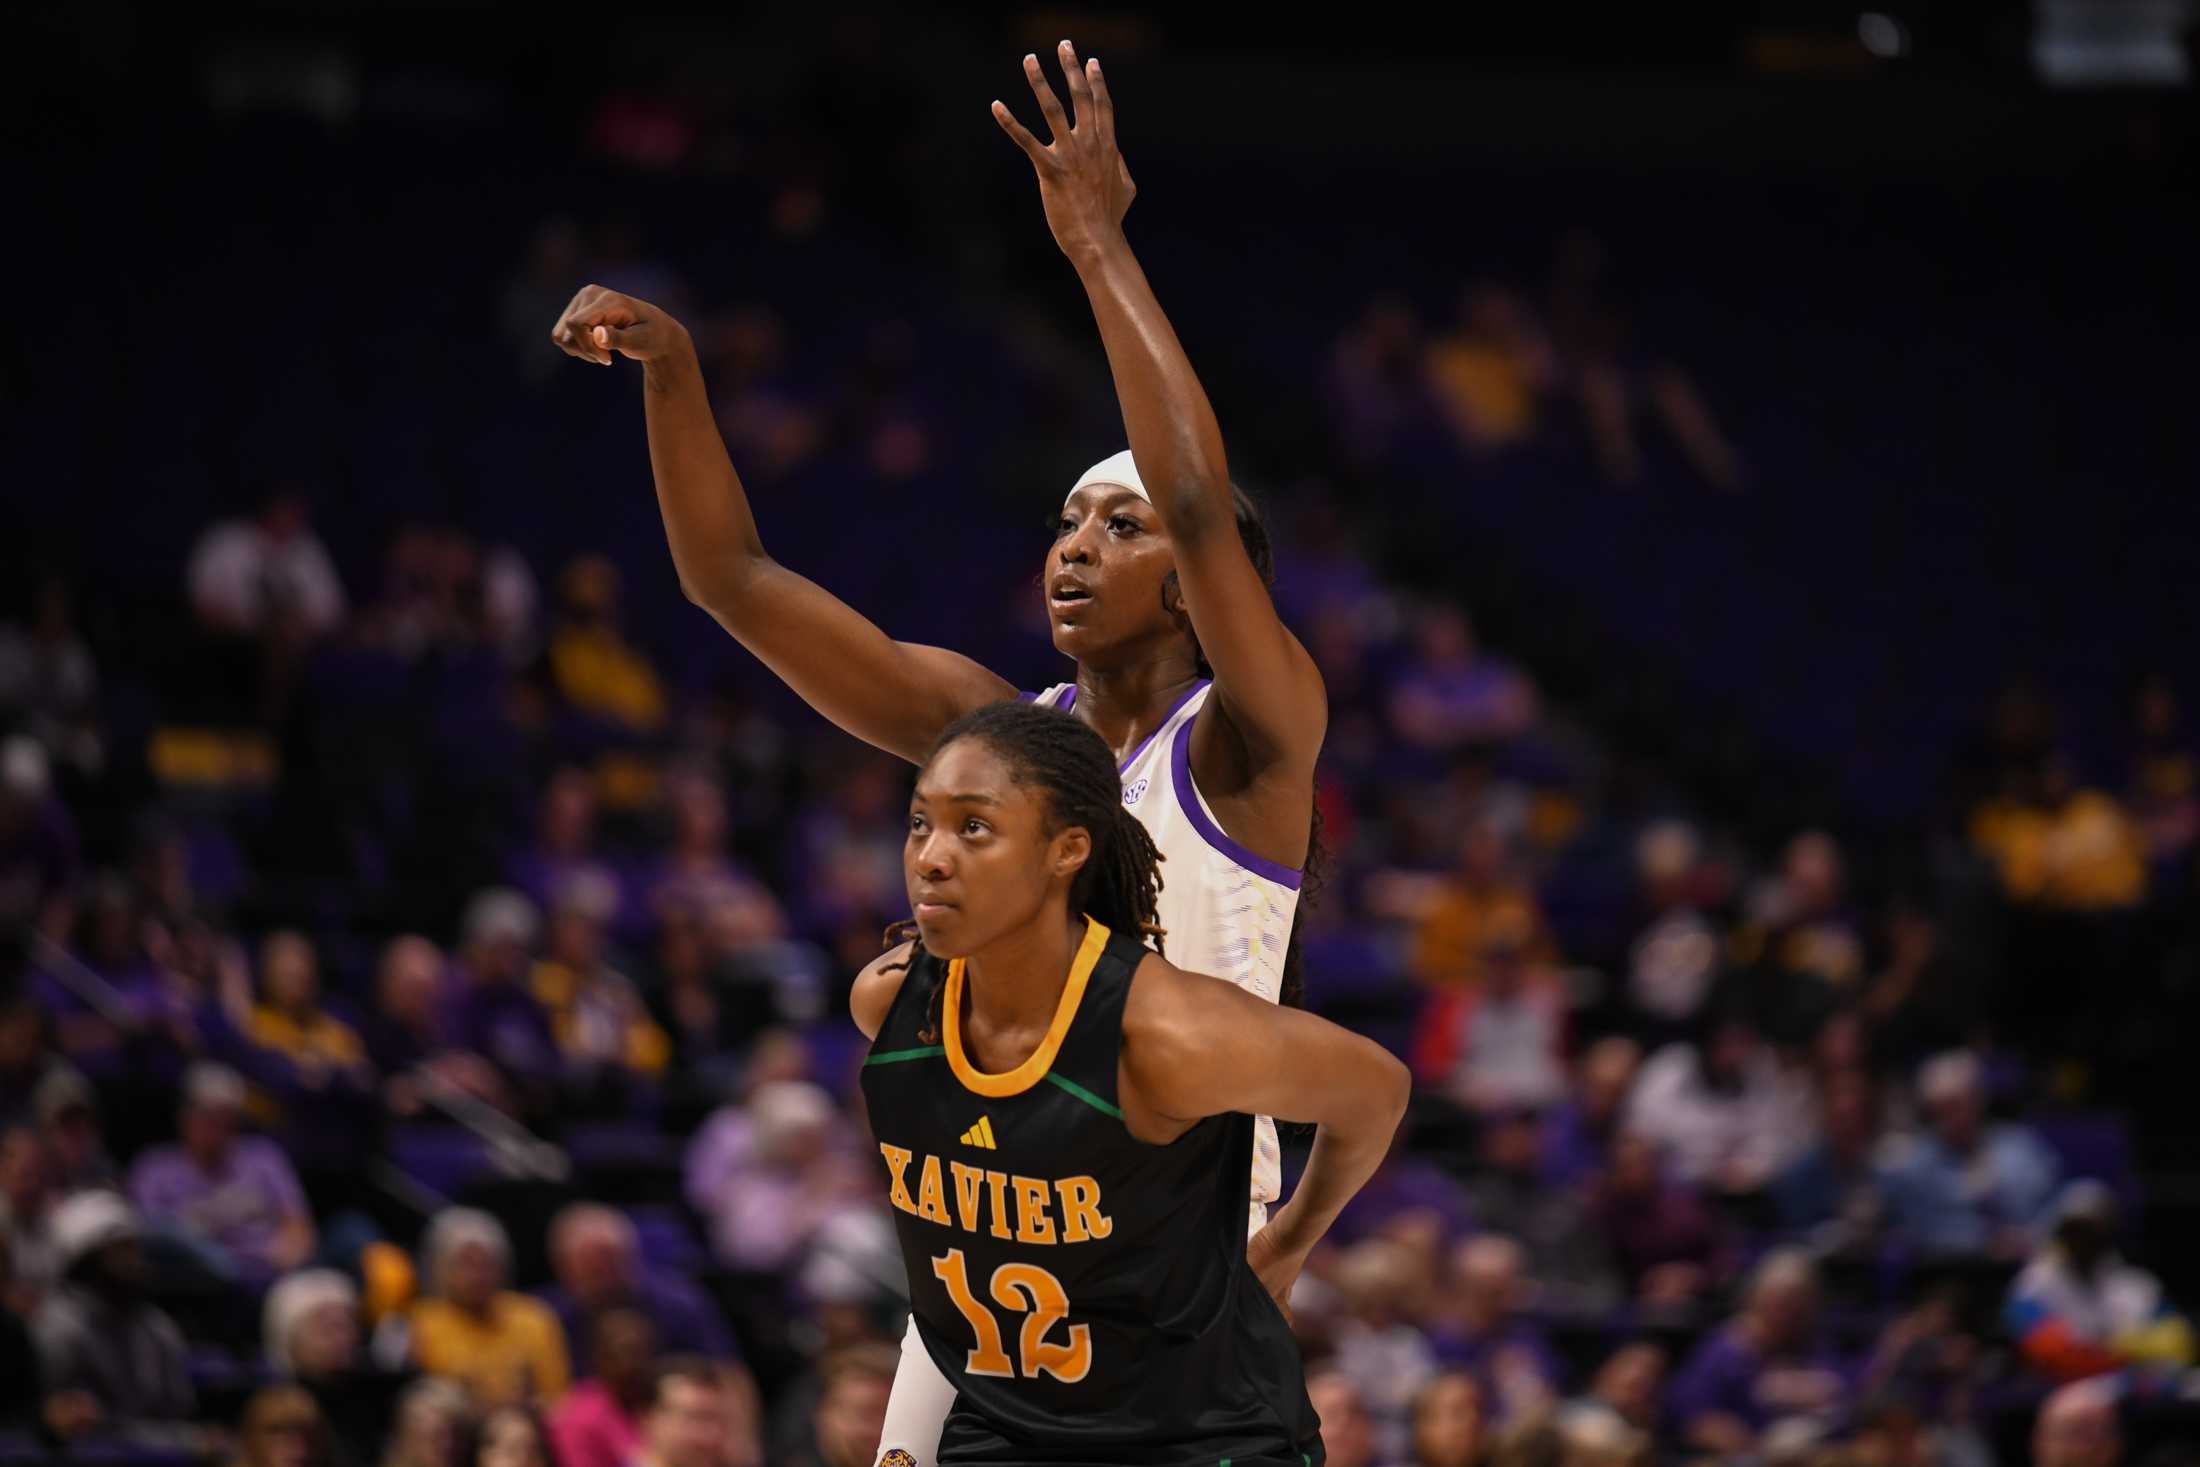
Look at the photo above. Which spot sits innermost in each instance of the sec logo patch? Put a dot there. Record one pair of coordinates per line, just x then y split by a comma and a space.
897, 1458
1134, 793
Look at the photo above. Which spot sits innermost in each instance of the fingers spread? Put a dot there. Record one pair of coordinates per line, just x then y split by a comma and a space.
1018, 133
1049, 104
1073, 76
1103, 106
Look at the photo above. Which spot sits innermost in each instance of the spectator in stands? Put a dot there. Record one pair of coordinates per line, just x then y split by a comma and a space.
851, 1409
283, 1427
236, 1194
594, 668
266, 575
409, 1037
313, 1062
1578, 1133
38, 841
1497, 1045
605, 1035
431, 1426
310, 1328
1567, 1258
1378, 1344
1485, 894
113, 1363
503, 1347
767, 1174
1766, 1366
28, 1201
1450, 1422
1800, 944
1830, 1194
68, 1123
1675, 959
1484, 1334
1451, 696
1348, 1436
1964, 1186
497, 1017
696, 872
1667, 1244
2063, 847
598, 1264
565, 840
2078, 1427
22, 1396
1376, 383
1927, 1364
2079, 1310
1729, 1114
49, 687
1629, 1387
1490, 373
696, 1420
599, 1423
2164, 782
512, 1436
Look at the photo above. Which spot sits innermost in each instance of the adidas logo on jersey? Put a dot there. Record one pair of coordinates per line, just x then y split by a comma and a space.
981, 1135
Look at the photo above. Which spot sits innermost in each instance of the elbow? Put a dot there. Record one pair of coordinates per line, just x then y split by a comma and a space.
1397, 1089
724, 592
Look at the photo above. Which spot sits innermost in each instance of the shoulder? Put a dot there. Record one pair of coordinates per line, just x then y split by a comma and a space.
262, 1154
522, 1311
1173, 1016
878, 985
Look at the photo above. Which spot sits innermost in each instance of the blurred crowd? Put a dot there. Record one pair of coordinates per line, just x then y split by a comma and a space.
422, 1038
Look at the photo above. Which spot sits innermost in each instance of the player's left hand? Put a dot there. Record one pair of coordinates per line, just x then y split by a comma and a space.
1083, 180
1276, 1264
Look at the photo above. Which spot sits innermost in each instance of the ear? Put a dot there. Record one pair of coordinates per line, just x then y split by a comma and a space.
1172, 600
1068, 852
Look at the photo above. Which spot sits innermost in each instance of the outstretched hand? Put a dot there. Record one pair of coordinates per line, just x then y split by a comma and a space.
599, 322
1083, 180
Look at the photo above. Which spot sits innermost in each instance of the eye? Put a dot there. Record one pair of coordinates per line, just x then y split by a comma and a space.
974, 826
916, 824
1123, 524
1060, 525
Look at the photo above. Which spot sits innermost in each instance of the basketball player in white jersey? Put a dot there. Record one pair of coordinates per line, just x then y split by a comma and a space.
1156, 583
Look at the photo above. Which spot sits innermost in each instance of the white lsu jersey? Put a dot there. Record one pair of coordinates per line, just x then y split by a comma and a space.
1224, 910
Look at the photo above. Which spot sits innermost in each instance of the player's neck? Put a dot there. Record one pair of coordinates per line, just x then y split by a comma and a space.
1015, 983
1125, 704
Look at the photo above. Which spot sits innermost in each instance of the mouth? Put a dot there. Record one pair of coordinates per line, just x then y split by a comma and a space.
929, 908
1067, 594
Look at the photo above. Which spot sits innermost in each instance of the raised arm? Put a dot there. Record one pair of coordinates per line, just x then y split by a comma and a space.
1195, 1046
896, 695
1264, 680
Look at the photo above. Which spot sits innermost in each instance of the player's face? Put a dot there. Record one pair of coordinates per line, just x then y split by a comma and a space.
1103, 582
979, 861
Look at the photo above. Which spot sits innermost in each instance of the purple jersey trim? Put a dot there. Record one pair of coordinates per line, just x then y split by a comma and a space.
1180, 775
1140, 752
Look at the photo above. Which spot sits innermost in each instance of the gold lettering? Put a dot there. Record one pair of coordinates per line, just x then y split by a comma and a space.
897, 1162
1034, 1224
1082, 1220
997, 1184
967, 1181
931, 1203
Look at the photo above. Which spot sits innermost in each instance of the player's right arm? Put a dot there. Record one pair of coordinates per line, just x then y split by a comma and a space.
895, 695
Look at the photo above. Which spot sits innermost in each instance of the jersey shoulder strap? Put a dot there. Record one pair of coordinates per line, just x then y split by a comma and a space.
1093, 1049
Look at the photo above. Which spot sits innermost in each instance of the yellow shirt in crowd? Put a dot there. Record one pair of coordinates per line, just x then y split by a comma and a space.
516, 1354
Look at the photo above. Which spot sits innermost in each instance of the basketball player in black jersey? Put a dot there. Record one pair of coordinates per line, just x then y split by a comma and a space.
1066, 1120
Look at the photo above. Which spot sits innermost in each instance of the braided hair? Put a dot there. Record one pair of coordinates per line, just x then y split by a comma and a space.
1252, 528
1069, 765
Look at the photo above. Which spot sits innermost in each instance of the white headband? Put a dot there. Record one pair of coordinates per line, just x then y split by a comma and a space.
1115, 469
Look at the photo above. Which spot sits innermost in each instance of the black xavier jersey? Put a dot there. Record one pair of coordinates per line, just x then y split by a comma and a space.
1086, 1293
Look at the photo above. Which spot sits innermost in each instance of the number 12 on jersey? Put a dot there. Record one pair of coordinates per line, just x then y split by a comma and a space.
1029, 1290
